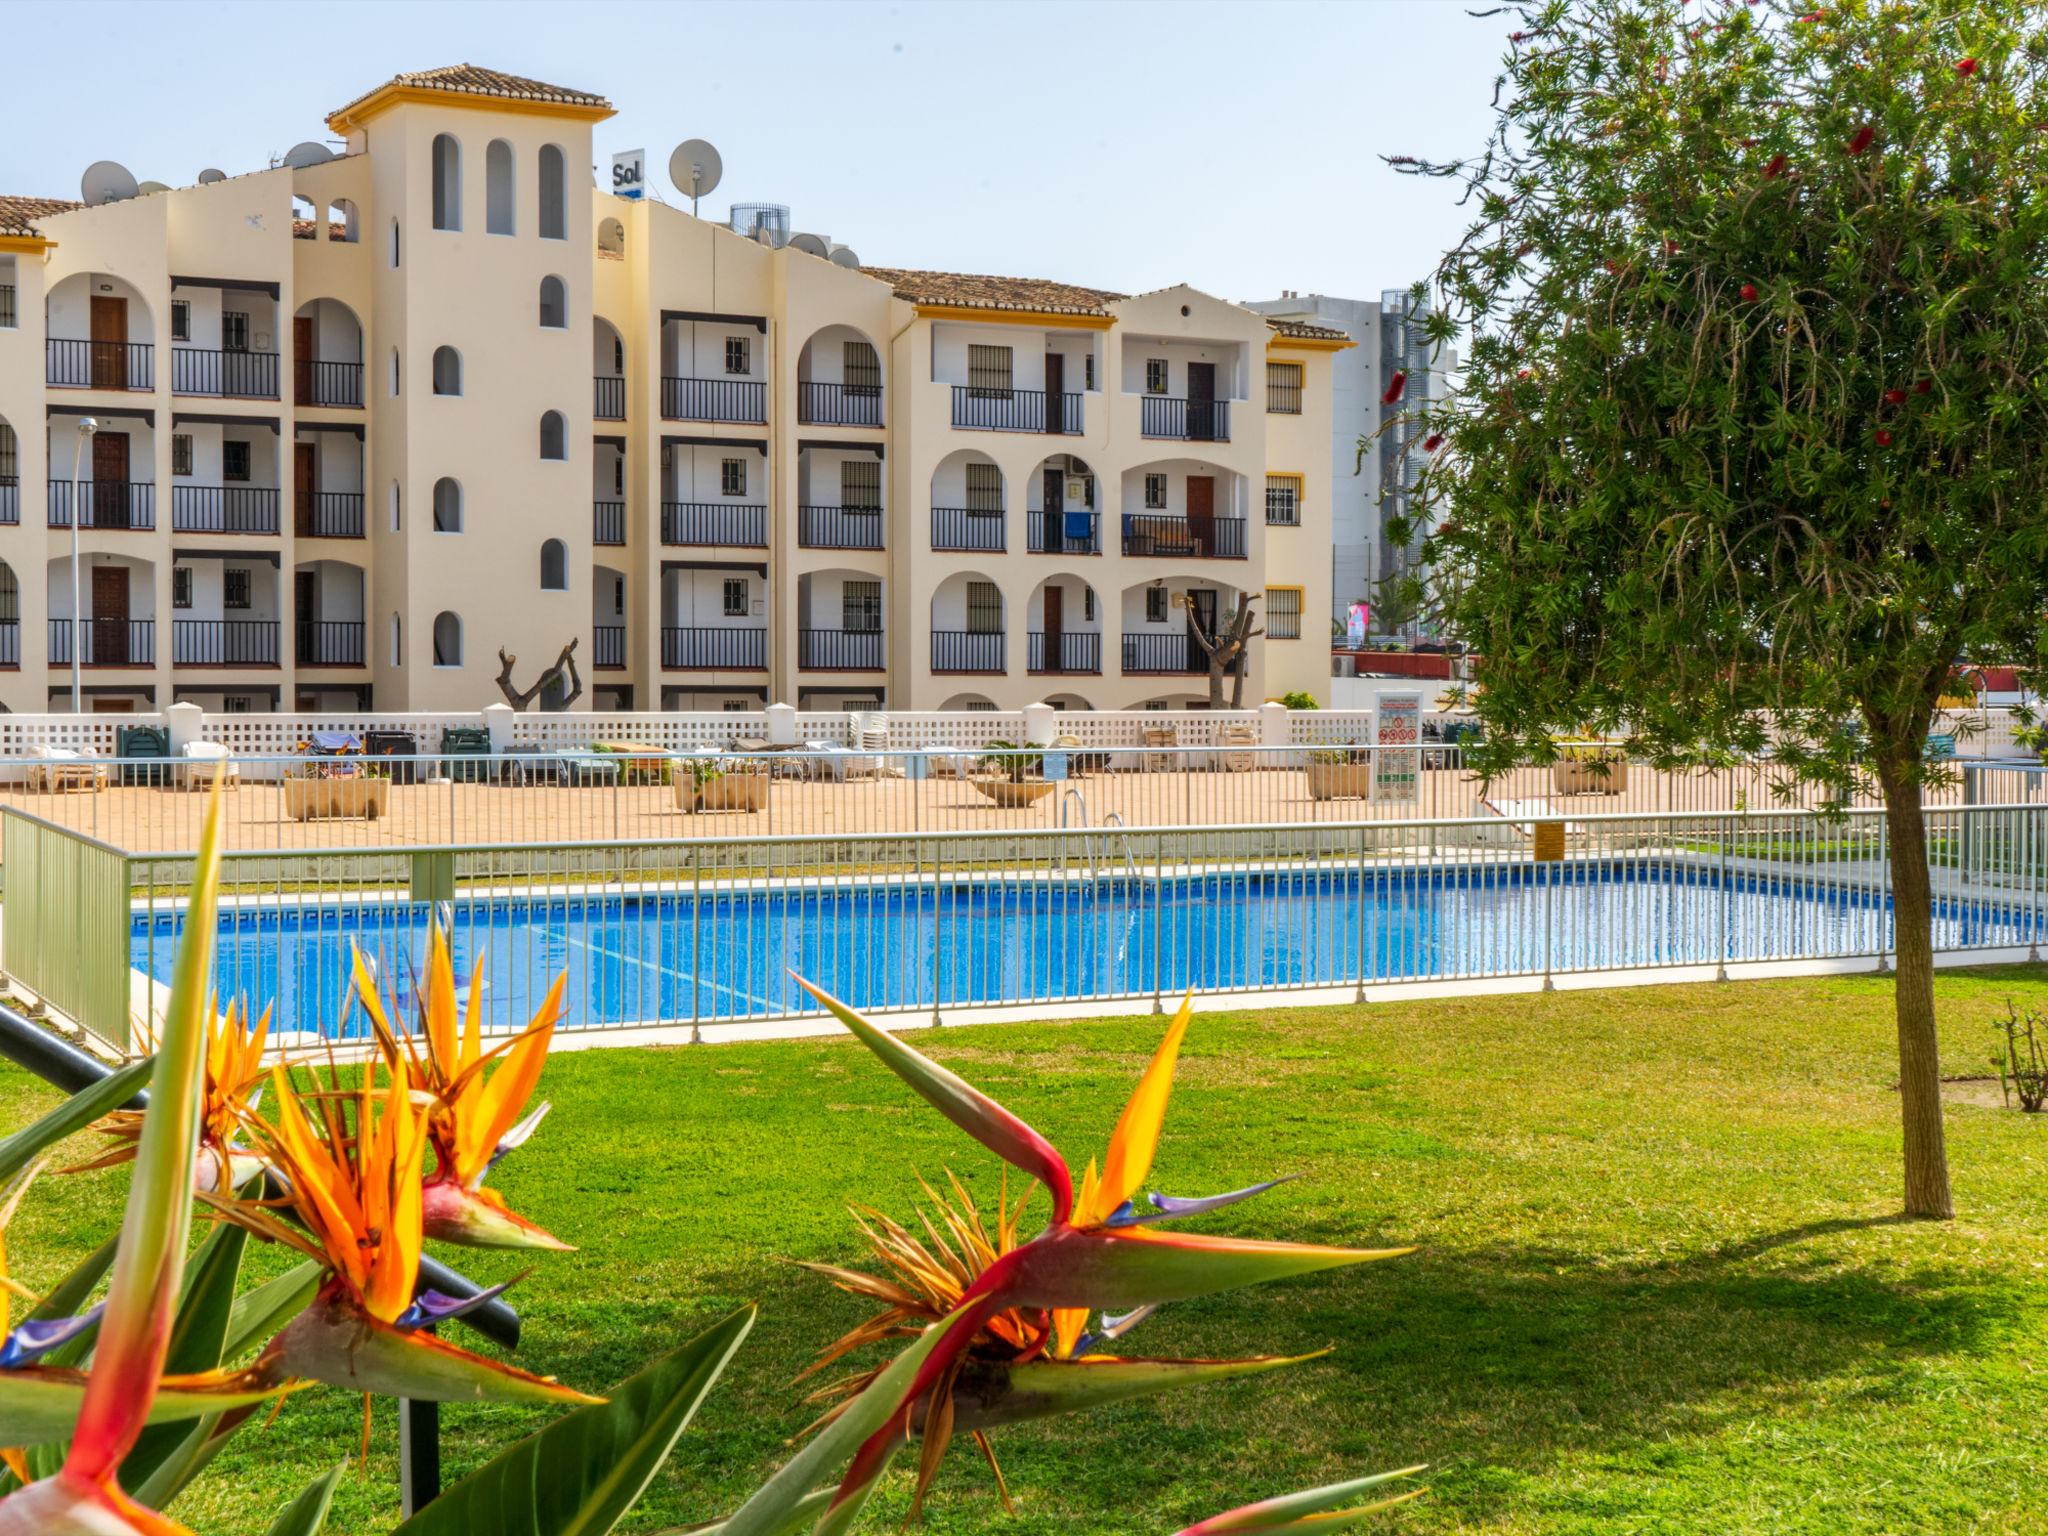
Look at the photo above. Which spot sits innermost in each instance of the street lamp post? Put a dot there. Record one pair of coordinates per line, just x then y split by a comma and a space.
86, 427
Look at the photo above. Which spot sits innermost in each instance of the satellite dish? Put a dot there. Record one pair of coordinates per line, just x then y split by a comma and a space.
845, 256
695, 168
764, 235
106, 181
299, 156
148, 187
209, 176
810, 245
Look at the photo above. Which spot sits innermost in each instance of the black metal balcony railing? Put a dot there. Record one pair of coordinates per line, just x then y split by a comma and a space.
839, 527
608, 648
1063, 533
839, 405
231, 375
1076, 652
1016, 410
1194, 421
330, 643
1169, 650
223, 509
607, 522
224, 642
105, 642
738, 524
1184, 538
328, 515
105, 504
10, 642
10, 500
740, 650
741, 400
330, 384
101, 364
967, 528
609, 403
839, 650
966, 650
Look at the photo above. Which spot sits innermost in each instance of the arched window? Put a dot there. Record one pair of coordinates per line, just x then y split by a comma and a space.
499, 191
554, 566
554, 303
394, 243
447, 371
447, 182
611, 237
342, 224
393, 381
394, 506
554, 194
447, 639
554, 436
447, 506
397, 649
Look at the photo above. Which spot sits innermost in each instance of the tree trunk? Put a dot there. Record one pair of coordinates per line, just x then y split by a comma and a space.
1927, 1191
1215, 683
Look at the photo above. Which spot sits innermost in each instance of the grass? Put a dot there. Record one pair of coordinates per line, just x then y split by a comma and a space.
1661, 1286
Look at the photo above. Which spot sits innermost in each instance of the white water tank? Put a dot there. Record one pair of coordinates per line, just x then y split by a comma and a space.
748, 219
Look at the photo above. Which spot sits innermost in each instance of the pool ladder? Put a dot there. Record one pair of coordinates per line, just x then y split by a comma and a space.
1114, 818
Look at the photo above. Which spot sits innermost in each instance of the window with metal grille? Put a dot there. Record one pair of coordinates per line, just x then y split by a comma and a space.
234, 331
1283, 501
1088, 604
1155, 375
984, 488
237, 704
984, 608
861, 369
739, 355
234, 588
980, 707
181, 319
10, 466
619, 598
10, 596
735, 706
181, 586
1283, 613
1283, 388
1155, 605
181, 453
738, 601
618, 476
618, 355
1155, 493
860, 484
234, 461
732, 477
860, 607
1088, 371
989, 370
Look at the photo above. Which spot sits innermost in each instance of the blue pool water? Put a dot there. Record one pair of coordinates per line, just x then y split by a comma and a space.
667, 958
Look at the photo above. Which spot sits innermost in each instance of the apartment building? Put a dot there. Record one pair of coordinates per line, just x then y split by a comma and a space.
347, 453
1371, 474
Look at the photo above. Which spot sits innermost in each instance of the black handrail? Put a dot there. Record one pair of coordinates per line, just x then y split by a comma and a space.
1184, 538
741, 400
126, 504
1052, 533
839, 650
329, 515
1194, 421
100, 364
329, 384
10, 501
224, 642
608, 650
217, 371
839, 405
737, 524
330, 642
967, 650
223, 509
968, 528
1016, 410
10, 642
610, 397
1071, 651
711, 649
839, 527
106, 642
607, 522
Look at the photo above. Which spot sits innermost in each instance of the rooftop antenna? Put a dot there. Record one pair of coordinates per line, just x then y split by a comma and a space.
106, 181
695, 168
299, 156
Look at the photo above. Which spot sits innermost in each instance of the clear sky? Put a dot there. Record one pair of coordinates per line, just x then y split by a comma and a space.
1123, 144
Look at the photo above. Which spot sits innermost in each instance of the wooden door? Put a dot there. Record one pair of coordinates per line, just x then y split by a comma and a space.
305, 470
1202, 402
1055, 392
109, 645
113, 706
109, 342
1202, 615
1052, 495
1202, 514
108, 506
302, 359
1055, 624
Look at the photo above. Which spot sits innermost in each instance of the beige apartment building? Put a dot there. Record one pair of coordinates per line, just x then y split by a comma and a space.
347, 451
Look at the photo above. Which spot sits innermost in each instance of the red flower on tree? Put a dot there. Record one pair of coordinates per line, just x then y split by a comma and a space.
1776, 167
1966, 67
1884, 438
1749, 293
1895, 397
1862, 141
1395, 386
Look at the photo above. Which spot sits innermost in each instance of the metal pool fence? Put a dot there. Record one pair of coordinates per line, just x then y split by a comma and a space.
284, 803
702, 936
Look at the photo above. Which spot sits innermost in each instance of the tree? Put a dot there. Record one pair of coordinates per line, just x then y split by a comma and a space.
562, 669
1751, 443
1225, 649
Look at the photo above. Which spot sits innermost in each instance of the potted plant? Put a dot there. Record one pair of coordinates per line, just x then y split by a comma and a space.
339, 785
1589, 768
702, 785
1010, 783
1340, 774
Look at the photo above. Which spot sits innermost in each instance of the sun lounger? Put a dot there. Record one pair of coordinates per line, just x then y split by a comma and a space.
60, 768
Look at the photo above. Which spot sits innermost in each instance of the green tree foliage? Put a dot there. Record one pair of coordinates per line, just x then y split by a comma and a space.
1753, 439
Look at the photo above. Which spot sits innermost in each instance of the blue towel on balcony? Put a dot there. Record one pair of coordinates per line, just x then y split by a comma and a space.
1076, 526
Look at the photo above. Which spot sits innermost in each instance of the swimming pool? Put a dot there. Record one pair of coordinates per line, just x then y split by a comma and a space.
654, 956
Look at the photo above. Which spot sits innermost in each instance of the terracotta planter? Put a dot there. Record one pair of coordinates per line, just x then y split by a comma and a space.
1569, 776
724, 792
1340, 781
1006, 793
321, 799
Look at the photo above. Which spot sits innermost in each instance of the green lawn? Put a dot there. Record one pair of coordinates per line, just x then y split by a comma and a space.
1659, 1289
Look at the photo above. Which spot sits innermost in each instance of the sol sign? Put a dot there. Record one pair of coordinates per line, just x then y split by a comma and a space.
629, 173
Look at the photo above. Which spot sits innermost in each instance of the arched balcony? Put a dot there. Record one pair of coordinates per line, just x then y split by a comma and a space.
1062, 508
839, 622
331, 598
327, 355
117, 609
968, 617
98, 330
839, 379
1181, 509
968, 504
1063, 635
1160, 619
608, 370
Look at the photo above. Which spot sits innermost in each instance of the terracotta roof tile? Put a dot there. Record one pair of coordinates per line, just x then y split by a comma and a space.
18, 215
474, 80
1306, 331
972, 290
